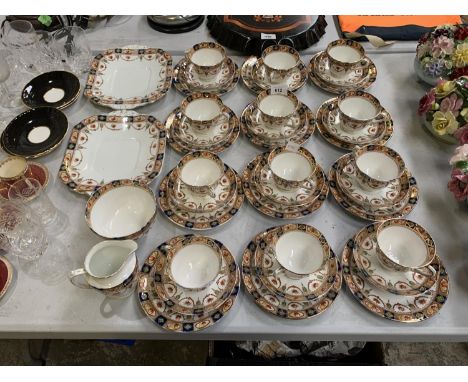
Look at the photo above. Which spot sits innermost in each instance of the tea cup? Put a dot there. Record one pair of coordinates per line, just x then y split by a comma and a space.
206, 59
291, 170
196, 265
346, 56
403, 245
276, 110
278, 62
200, 172
376, 166
202, 111
13, 168
299, 251
357, 109
111, 267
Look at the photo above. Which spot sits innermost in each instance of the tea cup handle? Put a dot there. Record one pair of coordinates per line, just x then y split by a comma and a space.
422, 271
78, 272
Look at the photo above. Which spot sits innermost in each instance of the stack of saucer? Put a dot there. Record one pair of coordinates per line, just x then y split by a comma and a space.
202, 122
201, 192
188, 283
393, 270
342, 66
206, 68
373, 183
279, 65
291, 271
354, 118
285, 184
273, 120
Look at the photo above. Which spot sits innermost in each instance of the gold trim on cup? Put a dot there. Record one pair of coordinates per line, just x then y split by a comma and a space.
206, 71
286, 184
424, 268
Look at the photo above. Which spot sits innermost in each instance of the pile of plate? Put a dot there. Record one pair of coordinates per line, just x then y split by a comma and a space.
342, 66
202, 122
373, 183
188, 283
291, 271
393, 270
285, 184
273, 120
201, 192
206, 68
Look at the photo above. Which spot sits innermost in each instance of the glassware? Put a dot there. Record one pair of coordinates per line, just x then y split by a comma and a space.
22, 230
23, 236
73, 48
30, 191
8, 97
20, 37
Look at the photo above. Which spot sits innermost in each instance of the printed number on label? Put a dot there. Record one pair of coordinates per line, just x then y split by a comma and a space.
268, 36
279, 89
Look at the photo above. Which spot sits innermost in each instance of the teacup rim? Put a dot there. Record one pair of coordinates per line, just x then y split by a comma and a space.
360, 150
359, 94
272, 239
11, 158
198, 96
205, 45
192, 240
301, 151
409, 224
200, 154
279, 47
346, 42
268, 92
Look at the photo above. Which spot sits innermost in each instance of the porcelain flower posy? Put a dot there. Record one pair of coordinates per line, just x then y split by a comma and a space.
444, 109
458, 183
443, 53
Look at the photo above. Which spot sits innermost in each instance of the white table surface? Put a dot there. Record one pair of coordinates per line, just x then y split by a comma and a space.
33, 309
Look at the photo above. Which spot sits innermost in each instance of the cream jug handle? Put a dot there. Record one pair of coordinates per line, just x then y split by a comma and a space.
78, 272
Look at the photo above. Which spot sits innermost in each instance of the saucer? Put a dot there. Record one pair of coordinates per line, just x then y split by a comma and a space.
403, 283
35, 170
6, 275
269, 140
198, 220
57, 89
389, 305
276, 279
184, 139
160, 300
129, 77
337, 89
328, 124
401, 209
225, 191
274, 303
35, 132
388, 196
268, 207
255, 80
187, 81
299, 196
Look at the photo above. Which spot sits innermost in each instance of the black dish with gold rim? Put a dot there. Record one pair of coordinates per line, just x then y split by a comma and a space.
57, 89
34, 133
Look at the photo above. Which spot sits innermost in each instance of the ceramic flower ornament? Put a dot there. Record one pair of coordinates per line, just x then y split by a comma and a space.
442, 54
458, 183
444, 110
